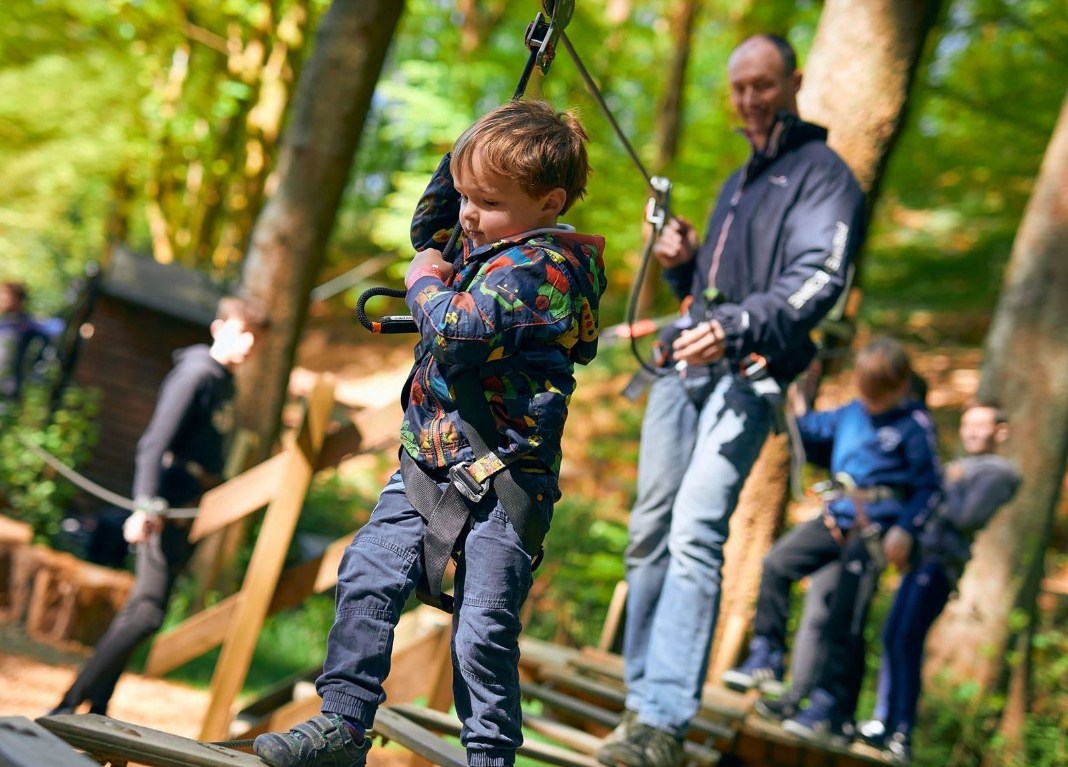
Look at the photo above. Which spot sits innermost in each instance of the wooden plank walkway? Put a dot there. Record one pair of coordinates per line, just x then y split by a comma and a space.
572, 698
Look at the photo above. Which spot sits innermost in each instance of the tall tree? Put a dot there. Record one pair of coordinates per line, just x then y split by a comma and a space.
290, 236
857, 81
1030, 324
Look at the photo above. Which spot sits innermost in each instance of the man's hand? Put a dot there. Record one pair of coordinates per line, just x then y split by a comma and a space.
897, 545
677, 243
700, 345
139, 526
428, 261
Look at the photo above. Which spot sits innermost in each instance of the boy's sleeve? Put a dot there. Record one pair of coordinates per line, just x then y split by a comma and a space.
817, 429
990, 489
176, 395
521, 292
925, 485
437, 211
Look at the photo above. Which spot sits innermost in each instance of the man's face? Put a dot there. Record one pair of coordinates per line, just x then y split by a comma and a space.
760, 87
980, 431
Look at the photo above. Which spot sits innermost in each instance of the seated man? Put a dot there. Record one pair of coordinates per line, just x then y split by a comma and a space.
885, 445
975, 487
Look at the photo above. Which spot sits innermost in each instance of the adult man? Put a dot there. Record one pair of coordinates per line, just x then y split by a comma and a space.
773, 262
179, 456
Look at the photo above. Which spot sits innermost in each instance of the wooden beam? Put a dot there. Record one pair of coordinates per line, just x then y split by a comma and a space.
120, 742
417, 739
268, 558
238, 497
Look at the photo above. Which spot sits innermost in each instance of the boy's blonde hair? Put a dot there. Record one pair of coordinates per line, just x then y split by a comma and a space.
882, 368
531, 143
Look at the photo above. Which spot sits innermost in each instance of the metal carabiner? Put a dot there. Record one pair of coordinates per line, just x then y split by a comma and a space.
658, 208
544, 32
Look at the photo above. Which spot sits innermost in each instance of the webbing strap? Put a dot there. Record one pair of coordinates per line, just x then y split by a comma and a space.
446, 515
447, 512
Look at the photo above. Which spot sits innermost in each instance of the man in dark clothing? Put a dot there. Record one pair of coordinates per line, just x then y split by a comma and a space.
180, 455
773, 262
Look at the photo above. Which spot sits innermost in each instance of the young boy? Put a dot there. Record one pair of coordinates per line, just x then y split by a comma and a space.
975, 487
519, 308
885, 444
180, 455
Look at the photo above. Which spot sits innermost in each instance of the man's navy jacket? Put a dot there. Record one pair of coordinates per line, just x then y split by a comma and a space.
778, 247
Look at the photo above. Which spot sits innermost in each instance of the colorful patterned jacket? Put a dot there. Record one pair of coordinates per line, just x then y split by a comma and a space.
522, 312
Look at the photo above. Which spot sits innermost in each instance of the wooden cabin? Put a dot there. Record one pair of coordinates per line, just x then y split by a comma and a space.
130, 318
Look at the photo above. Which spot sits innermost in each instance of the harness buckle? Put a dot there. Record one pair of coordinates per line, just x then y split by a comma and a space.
468, 486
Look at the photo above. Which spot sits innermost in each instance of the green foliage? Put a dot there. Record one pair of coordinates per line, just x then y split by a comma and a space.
583, 562
29, 489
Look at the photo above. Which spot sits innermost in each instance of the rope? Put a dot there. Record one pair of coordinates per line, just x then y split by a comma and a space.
596, 93
93, 488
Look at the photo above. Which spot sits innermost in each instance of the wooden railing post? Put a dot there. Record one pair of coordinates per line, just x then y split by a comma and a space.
268, 558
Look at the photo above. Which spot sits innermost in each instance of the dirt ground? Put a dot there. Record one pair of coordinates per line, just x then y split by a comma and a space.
33, 678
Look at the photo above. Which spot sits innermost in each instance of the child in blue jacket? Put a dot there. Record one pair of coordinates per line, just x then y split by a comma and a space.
518, 309
885, 444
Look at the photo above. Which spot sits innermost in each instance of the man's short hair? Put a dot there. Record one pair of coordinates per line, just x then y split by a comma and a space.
249, 311
531, 142
782, 45
882, 367
1000, 415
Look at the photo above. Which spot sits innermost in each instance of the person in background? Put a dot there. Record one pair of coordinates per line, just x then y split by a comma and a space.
975, 487
774, 260
180, 455
881, 448
808, 650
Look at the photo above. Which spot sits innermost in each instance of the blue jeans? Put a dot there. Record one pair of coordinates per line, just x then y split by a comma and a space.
379, 571
700, 438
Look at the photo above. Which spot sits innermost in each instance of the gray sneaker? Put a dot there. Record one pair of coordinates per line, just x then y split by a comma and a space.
319, 742
627, 721
641, 746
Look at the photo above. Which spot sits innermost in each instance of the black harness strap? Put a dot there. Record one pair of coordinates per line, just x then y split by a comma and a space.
448, 512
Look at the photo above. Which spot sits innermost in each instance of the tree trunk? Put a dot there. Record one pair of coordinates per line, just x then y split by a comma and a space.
1026, 362
290, 236
857, 81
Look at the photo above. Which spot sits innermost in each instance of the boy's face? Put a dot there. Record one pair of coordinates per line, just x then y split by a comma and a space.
494, 207
980, 431
232, 341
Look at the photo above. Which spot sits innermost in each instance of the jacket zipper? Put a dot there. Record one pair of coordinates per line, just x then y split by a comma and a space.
772, 153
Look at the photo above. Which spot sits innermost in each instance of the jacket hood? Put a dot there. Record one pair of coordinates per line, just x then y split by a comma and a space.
583, 255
